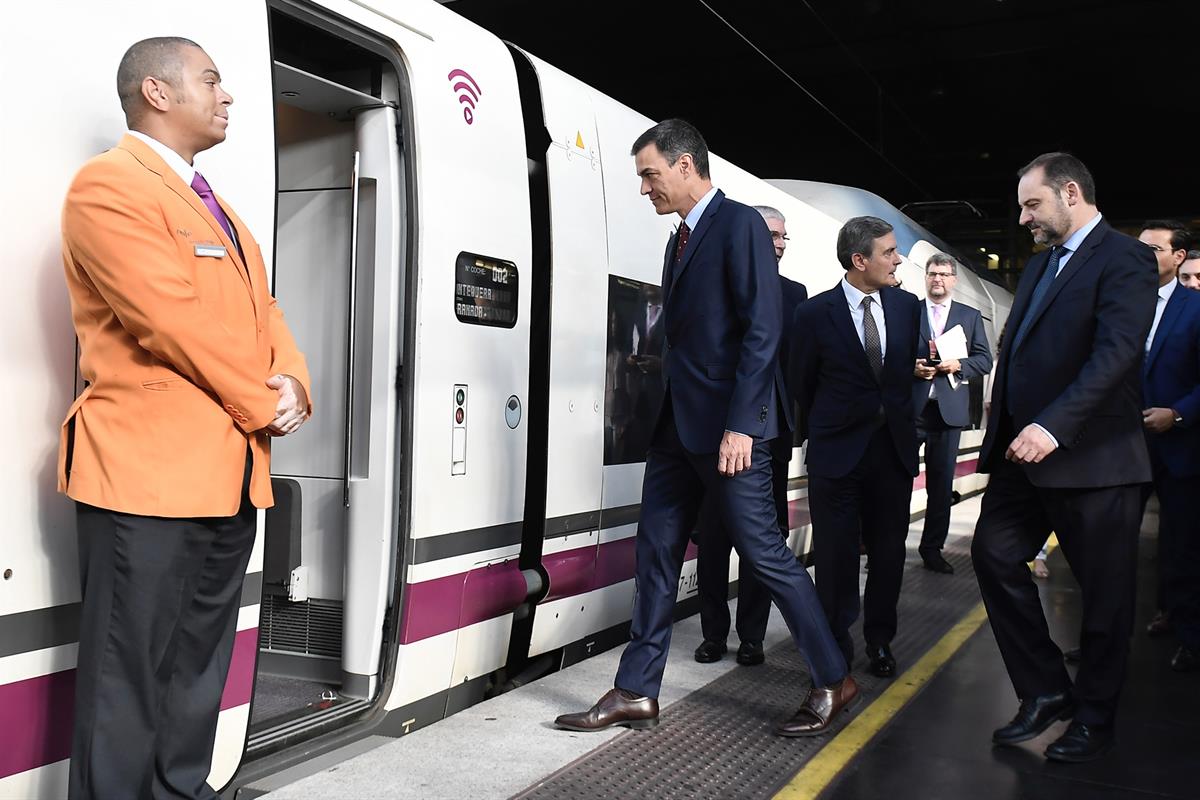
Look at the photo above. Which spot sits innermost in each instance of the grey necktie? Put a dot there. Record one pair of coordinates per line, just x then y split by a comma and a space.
871, 338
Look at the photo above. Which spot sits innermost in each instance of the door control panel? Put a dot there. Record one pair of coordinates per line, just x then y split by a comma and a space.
458, 431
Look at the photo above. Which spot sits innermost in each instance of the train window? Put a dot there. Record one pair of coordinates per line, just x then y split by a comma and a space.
485, 291
633, 383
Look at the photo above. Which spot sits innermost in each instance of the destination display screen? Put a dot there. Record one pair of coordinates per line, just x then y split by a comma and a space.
485, 291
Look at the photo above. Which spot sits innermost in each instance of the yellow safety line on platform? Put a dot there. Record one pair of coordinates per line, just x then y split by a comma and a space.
824, 767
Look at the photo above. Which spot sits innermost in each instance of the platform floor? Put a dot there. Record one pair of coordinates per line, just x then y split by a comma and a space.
715, 740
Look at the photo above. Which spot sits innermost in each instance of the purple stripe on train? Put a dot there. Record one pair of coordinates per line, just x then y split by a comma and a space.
36, 714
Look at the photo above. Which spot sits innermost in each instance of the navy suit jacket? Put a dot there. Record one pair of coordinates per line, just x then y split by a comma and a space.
724, 321
1078, 371
1171, 379
954, 404
837, 393
794, 294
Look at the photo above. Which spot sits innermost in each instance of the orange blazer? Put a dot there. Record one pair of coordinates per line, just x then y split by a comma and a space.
176, 345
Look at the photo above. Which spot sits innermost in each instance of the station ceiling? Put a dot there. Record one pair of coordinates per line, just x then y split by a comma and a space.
934, 102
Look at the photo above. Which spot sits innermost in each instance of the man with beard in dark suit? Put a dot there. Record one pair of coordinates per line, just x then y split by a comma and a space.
1066, 451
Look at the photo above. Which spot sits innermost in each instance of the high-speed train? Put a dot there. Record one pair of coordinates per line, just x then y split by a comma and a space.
459, 245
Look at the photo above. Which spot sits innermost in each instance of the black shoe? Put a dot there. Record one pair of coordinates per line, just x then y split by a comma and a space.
1034, 717
883, 663
1160, 624
750, 653
935, 563
710, 651
1081, 743
1073, 656
1185, 659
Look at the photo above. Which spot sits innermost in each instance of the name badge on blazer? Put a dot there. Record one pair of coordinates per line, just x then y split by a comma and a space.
210, 251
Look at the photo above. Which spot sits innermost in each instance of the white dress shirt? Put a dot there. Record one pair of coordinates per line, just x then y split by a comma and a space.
175, 161
693, 217
1074, 240
854, 298
1164, 297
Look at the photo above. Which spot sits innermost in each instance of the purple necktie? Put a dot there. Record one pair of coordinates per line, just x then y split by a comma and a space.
939, 324
201, 187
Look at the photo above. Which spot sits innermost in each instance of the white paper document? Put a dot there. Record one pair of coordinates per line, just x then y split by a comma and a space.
952, 346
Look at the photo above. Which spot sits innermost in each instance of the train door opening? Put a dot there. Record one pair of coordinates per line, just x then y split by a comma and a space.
339, 276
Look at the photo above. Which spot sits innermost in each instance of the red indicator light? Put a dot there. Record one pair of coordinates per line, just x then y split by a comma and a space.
458, 416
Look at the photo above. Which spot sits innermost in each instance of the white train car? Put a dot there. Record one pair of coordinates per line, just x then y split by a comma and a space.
455, 234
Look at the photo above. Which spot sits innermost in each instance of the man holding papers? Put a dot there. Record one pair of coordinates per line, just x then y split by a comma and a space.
955, 352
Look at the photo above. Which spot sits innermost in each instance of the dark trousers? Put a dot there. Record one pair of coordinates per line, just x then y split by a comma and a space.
941, 460
675, 485
160, 606
1178, 590
1174, 516
1185, 585
712, 571
871, 503
1097, 531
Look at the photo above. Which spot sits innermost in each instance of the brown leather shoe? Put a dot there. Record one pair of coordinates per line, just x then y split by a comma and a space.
616, 707
1160, 624
820, 708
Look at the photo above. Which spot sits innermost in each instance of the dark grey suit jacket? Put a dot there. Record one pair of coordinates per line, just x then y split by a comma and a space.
954, 403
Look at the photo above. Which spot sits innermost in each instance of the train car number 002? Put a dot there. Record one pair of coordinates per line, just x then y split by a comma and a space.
485, 291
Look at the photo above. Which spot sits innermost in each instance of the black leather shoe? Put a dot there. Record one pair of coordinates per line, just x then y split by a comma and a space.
1073, 656
616, 707
1081, 743
819, 709
935, 563
710, 651
1160, 624
750, 654
1185, 659
883, 663
1034, 717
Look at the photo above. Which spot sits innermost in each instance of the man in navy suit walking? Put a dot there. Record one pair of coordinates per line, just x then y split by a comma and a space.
851, 368
712, 566
941, 399
724, 404
1067, 453
1171, 409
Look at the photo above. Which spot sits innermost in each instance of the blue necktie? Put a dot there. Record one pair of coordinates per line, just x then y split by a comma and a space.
1039, 294
1035, 303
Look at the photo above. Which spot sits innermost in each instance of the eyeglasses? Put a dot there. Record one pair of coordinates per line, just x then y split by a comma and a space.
1159, 249
942, 275
777, 236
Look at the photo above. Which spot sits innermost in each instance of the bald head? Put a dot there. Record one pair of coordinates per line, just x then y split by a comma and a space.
162, 58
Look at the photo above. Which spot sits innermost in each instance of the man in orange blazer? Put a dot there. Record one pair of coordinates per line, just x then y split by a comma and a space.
189, 368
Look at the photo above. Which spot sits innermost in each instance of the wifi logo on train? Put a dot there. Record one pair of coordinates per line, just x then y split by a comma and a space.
468, 92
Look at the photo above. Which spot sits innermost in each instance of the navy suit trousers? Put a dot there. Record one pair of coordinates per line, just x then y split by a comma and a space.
871, 502
674, 487
712, 571
941, 459
1176, 520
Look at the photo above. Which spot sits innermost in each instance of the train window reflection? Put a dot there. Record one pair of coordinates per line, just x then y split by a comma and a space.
633, 381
